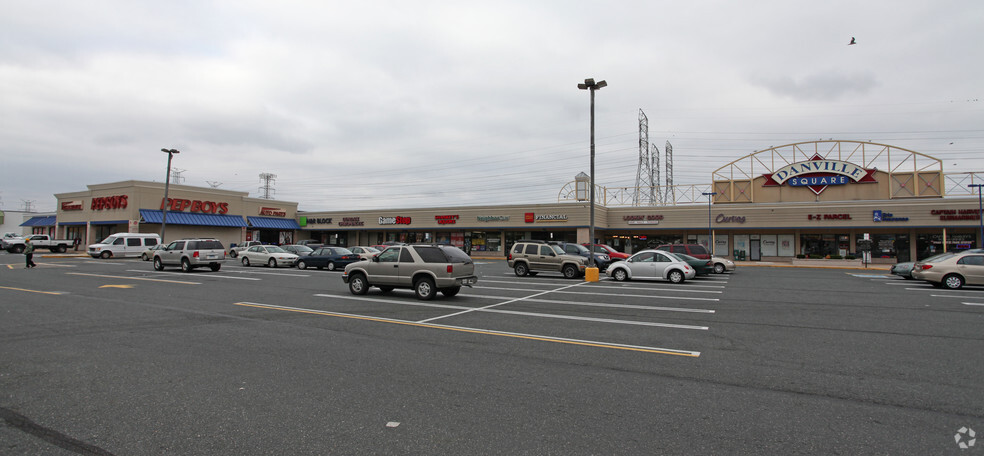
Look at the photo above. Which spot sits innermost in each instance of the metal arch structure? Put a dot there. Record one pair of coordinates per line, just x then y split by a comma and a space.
911, 174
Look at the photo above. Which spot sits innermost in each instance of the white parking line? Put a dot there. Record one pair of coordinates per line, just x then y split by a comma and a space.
215, 275
611, 283
974, 303
597, 304
503, 303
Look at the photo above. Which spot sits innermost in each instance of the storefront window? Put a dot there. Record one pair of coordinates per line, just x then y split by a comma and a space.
928, 245
486, 241
889, 246
824, 244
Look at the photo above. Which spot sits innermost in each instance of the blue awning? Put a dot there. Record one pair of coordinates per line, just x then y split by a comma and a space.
274, 223
109, 222
48, 220
71, 223
185, 218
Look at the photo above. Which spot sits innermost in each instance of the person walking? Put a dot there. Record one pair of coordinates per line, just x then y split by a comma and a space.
29, 254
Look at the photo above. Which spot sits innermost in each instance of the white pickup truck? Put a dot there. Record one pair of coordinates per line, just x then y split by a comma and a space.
40, 241
234, 252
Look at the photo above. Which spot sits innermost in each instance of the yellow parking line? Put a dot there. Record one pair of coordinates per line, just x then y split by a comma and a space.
32, 291
663, 351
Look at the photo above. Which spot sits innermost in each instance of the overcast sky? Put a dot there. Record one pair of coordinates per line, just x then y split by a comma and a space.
392, 104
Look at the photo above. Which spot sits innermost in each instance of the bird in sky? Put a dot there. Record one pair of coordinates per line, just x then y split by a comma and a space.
852, 42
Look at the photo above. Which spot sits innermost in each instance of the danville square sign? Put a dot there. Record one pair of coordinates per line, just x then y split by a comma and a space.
817, 173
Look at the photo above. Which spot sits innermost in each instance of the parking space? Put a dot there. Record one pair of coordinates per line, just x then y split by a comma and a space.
968, 295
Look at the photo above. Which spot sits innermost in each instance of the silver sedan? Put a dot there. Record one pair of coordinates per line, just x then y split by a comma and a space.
652, 264
268, 255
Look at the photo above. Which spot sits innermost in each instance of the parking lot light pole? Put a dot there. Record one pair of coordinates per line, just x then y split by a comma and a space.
590, 85
167, 183
710, 240
980, 215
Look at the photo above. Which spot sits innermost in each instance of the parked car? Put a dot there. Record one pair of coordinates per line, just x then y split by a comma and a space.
606, 249
365, 252
904, 269
694, 250
652, 264
722, 265
702, 267
236, 250
601, 260
191, 254
268, 255
148, 254
328, 257
297, 249
531, 257
40, 241
951, 270
426, 269
121, 245
310, 242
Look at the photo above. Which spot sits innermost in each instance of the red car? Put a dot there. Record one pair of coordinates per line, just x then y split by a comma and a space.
615, 255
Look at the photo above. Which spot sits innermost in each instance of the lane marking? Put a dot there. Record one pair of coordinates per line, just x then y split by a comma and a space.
598, 304
541, 338
32, 291
490, 309
610, 283
598, 293
116, 286
185, 274
974, 303
490, 306
132, 278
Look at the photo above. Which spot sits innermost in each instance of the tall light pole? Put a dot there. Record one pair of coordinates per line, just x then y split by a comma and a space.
980, 214
710, 240
590, 85
167, 183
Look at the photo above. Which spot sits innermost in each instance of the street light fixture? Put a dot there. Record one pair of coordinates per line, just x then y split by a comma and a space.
980, 214
710, 240
167, 183
591, 85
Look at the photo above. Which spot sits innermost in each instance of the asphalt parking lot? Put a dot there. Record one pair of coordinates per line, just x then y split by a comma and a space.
111, 357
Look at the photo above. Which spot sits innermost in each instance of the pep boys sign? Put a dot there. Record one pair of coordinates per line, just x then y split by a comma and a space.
204, 207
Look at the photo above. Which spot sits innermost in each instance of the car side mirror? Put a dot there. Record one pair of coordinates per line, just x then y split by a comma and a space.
375, 258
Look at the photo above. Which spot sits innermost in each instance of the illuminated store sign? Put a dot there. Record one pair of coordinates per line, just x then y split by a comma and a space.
530, 217
205, 207
817, 173
652, 219
351, 221
72, 205
957, 214
273, 211
882, 216
828, 216
721, 218
446, 219
394, 220
493, 218
304, 221
108, 202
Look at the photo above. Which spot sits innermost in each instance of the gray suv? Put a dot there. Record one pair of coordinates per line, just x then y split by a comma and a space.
191, 254
532, 257
426, 269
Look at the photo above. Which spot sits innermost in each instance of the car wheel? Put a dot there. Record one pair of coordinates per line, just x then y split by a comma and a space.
620, 275
301, 265
185, 265
424, 289
358, 284
233, 254
521, 269
144, 257
570, 271
158, 264
331, 266
105, 255
719, 268
450, 291
676, 276
215, 267
953, 281
272, 263
245, 261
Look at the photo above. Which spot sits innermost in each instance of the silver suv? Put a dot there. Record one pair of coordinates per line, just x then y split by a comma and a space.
426, 269
191, 254
532, 257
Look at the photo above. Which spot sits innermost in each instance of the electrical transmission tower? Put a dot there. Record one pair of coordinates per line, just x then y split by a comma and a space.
213, 184
176, 175
28, 205
267, 179
658, 196
670, 194
645, 192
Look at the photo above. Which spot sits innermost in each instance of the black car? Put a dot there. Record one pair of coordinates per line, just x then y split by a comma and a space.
328, 257
601, 260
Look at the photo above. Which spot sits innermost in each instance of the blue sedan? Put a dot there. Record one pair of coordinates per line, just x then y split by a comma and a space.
328, 257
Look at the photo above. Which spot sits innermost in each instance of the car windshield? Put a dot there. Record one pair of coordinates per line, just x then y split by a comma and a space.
558, 250
370, 249
343, 251
581, 250
938, 258
303, 248
275, 249
108, 240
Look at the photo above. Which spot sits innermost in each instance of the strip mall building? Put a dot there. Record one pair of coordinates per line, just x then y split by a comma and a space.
817, 198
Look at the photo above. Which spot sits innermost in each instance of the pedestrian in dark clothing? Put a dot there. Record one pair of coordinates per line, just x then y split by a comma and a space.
29, 254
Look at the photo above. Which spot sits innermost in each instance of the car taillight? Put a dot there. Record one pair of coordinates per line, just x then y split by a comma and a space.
450, 269
195, 254
926, 266
509, 257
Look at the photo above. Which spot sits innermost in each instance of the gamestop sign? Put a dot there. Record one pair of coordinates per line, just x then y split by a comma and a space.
204, 207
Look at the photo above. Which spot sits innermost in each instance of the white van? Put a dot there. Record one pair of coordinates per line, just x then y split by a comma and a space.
124, 245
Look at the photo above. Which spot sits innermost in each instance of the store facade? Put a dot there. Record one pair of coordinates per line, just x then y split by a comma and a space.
138, 207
